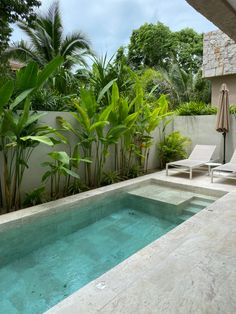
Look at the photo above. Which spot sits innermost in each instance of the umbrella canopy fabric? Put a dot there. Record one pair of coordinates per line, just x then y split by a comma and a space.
223, 117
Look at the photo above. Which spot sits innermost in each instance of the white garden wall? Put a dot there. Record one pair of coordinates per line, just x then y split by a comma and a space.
201, 130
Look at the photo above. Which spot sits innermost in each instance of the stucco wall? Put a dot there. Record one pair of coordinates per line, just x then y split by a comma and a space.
34, 173
201, 130
230, 81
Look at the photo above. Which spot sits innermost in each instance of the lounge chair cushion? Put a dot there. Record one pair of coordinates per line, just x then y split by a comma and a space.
187, 163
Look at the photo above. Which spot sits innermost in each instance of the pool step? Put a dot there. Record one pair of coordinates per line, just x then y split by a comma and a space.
194, 206
193, 209
201, 202
184, 216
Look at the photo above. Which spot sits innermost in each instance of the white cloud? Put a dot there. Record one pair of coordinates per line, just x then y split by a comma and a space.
109, 23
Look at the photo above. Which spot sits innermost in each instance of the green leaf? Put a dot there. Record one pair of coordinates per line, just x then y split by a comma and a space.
46, 175
5, 94
71, 173
42, 139
85, 121
115, 94
104, 90
123, 109
26, 77
20, 98
86, 160
116, 132
88, 102
34, 117
105, 113
60, 156
131, 119
24, 116
99, 124
48, 70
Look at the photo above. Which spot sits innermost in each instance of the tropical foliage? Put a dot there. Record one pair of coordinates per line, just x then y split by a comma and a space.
115, 106
46, 41
154, 45
173, 147
12, 11
195, 109
19, 131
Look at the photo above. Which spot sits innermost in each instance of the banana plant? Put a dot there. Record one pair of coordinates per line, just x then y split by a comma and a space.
87, 117
19, 130
154, 115
60, 167
139, 140
122, 114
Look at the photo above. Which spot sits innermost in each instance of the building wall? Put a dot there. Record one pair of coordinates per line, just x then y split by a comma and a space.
216, 82
219, 64
219, 55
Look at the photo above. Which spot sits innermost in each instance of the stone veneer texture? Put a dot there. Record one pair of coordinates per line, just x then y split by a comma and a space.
219, 54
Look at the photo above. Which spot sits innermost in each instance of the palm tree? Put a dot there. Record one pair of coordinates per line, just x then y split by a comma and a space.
184, 86
46, 41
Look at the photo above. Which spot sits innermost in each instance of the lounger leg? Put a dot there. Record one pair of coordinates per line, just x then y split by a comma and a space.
167, 169
191, 174
212, 176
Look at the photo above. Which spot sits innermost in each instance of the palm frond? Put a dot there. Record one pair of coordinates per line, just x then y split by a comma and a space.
24, 52
74, 42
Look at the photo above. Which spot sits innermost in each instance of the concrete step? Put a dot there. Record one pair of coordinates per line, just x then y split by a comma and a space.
184, 216
193, 209
200, 202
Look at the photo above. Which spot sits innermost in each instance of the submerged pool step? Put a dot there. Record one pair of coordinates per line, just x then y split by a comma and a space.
193, 209
201, 202
184, 216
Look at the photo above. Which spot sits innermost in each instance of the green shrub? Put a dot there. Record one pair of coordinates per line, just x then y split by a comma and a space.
111, 177
48, 100
232, 109
34, 197
195, 108
173, 148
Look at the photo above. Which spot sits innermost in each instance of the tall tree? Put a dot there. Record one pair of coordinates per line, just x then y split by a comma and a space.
12, 11
155, 45
46, 40
150, 45
189, 49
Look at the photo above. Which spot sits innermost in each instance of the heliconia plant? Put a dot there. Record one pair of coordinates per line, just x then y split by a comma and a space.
19, 130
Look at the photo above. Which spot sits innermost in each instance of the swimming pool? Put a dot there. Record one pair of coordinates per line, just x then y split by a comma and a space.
52, 255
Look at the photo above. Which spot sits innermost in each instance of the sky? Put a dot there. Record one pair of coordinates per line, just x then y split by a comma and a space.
108, 24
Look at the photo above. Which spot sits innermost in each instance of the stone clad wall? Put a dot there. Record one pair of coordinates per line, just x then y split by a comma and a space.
219, 55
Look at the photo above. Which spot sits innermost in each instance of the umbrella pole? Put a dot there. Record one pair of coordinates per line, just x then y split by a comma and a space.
224, 137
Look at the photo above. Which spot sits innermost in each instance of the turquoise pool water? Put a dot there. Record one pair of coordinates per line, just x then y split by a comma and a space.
58, 254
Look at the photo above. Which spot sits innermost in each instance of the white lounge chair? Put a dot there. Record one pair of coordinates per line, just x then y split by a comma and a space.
229, 167
200, 156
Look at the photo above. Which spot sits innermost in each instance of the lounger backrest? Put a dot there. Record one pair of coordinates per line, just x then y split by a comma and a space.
202, 152
233, 158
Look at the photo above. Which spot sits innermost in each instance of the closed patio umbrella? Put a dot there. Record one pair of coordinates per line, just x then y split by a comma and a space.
223, 117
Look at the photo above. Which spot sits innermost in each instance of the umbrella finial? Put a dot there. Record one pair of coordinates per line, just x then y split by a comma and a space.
224, 87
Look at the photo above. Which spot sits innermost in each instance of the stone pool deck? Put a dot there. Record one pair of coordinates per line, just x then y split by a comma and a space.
191, 269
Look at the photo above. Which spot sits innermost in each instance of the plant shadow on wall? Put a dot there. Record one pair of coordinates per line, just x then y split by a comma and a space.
19, 131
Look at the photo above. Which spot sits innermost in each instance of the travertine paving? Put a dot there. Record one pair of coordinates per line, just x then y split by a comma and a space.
191, 269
